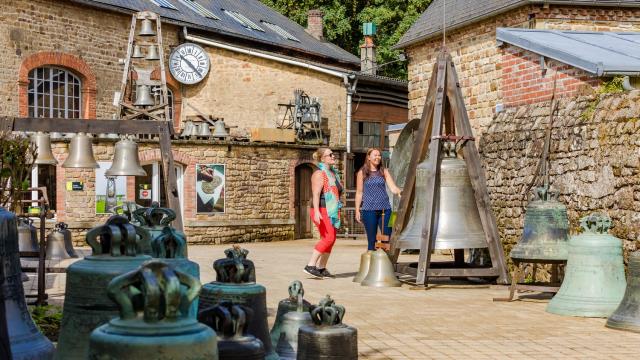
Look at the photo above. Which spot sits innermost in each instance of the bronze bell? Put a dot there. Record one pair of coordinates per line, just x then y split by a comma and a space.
189, 129
154, 219
43, 146
235, 282
86, 304
125, 160
230, 321
458, 220
68, 241
381, 272
26, 342
219, 129
203, 129
143, 96
287, 347
137, 52
546, 229
627, 315
80, 153
285, 306
327, 337
365, 262
27, 235
147, 28
153, 53
56, 249
153, 303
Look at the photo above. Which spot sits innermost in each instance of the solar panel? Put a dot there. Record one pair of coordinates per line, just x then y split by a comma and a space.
164, 4
243, 20
193, 5
280, 31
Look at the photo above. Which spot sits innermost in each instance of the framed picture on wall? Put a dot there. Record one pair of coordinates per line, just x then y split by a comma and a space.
210, 181
118, 189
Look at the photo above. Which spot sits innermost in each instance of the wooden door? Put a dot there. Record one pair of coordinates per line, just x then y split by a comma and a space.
303, 201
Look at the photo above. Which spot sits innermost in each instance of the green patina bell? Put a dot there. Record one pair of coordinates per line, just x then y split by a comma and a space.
327, 338
154, 323
170, 246
235, 282
287, 346
546, 229
154, 219
594, 282
115, 251
627, 315
287, 305
230, 321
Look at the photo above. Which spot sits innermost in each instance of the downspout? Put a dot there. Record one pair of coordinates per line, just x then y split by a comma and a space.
351, 89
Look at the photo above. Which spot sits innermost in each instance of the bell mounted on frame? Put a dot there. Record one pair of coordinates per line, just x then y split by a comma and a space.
45, 156
137, 52
143, 96
125, 160
152, 54
146, 29
219, 130
80, 153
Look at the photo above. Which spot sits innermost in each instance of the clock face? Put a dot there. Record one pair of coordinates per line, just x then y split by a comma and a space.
189, 63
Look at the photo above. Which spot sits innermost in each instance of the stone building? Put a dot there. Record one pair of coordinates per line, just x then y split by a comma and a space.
61, 59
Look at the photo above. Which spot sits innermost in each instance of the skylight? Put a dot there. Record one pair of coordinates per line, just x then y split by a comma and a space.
280, 31
164, 4
243, 20
193, 5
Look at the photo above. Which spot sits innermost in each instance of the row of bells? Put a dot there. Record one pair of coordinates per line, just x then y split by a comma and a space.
58, 245
202, 129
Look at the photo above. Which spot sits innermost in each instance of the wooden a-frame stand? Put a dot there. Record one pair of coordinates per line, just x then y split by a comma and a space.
444, 107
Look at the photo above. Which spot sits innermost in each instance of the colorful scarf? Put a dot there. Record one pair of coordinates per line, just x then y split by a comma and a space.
331, 194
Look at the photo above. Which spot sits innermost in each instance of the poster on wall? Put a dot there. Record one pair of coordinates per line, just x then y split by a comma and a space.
210, 188
102, 186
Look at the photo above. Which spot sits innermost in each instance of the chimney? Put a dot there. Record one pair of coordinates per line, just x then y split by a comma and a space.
314, 24
368, 64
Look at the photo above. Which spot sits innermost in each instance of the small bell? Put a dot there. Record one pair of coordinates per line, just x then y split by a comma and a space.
153, 53
55, 245
188, 129
147, 28
287, 346
143, 96
219, 130
68, 242
43, 146
365, 262
80, 153
125, 160
381, 272
287, 305
627, 316
137, 52
27, 235
203, 129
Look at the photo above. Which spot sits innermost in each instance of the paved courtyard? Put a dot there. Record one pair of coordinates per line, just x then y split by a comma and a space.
445, 322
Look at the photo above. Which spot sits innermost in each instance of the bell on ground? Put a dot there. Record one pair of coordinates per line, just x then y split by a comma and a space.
153, 53
154, 219
125, 160
230, 321
627, 315
594, 282
147, 28
137, 52
327, 337
43, 146
219, 130
287, 346
80, 153
458, 220
546, 229
235, 281
203, 129
56, 245
26, 342
86, 304
381, 272
188, 129
285, 306
365, 262
143, 96
27, 235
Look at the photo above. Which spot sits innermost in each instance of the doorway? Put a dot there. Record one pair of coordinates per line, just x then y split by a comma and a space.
303, 201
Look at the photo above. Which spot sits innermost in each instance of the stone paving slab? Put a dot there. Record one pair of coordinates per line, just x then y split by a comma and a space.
445, 322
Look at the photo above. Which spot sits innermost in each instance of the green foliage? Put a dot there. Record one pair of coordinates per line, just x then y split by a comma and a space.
16, 161
47, 318
343, 24
612, 86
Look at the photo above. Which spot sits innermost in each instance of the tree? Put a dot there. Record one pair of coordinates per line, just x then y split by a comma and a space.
343, 21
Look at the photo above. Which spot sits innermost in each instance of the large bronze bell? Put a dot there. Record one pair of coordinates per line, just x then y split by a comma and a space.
381, 272
153, 321
143, 96
627, 315
285, 306
365, 262
80, 153
458, 220
327, 338
25, 340
146, 29
125, 160
230, 321
154, 218
594, 282
235, 282
56, 249
43, 146
287, 347
27, 235
171, 246
546, 229
114, 247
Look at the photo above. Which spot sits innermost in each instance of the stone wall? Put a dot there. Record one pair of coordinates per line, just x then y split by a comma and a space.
595, 162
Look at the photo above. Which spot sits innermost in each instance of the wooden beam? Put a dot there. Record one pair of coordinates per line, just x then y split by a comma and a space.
90, 126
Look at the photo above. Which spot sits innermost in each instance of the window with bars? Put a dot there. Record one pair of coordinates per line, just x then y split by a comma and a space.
243, 20
193, 5
164, 4
54, 92
280, 31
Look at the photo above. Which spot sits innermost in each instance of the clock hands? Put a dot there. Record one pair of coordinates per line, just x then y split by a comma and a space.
191, 65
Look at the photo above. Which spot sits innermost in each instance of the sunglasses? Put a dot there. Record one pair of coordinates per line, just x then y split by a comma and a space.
331, 155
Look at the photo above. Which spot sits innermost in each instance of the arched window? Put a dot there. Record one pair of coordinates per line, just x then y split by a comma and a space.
54, 92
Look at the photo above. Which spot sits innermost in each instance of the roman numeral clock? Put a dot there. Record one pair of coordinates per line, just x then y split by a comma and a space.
189, 63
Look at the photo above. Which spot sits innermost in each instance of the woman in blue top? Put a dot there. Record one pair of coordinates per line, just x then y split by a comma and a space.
372, 202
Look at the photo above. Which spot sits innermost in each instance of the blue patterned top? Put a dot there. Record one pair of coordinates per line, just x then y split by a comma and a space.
374, 194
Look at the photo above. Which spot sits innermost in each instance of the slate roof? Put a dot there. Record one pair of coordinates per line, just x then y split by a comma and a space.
599, 53
252, 9
464, 12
